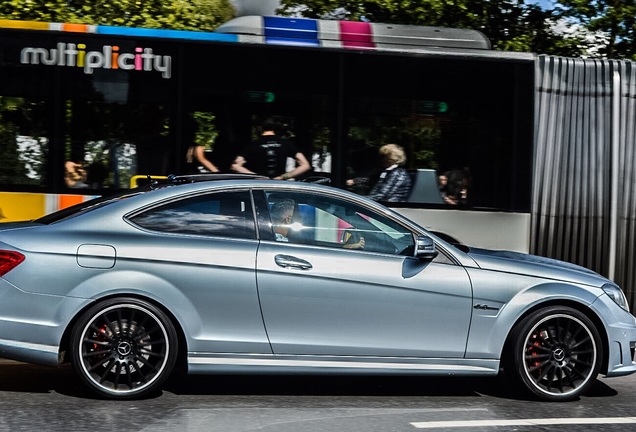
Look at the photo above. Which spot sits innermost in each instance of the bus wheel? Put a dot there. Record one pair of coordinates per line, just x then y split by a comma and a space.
124, 348
555, 353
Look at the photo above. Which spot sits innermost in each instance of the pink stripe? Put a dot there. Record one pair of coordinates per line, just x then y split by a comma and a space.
356, 34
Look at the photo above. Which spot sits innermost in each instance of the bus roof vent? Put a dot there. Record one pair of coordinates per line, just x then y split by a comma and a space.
352, 34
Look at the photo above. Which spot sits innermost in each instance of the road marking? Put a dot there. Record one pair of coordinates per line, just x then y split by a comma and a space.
524, 422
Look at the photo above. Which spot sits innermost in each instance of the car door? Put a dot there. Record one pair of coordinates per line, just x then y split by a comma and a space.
204, 247
320, 298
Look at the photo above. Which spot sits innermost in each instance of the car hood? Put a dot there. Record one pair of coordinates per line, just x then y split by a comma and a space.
532, 265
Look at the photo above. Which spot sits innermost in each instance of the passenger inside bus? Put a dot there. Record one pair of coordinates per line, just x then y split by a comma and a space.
454, 185
268, 154
75, 176
196, 161
394, 182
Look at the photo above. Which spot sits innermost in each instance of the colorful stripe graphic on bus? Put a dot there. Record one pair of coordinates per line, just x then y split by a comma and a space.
306, 32
350, 34
268, 29
296, 31
76, 55
118, 31
248, 29
21, 206
356, 34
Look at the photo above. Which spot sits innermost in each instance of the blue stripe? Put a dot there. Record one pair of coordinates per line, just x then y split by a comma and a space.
166, 34
290, 41
290, 28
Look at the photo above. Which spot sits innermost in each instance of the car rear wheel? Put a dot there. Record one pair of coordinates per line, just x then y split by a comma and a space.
124, 348
556, 353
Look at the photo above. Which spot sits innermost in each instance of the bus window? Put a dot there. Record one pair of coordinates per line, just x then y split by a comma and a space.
249, 82
111, 140
465, 143
24, 141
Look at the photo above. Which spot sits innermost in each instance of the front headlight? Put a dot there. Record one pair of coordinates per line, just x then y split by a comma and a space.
617, 295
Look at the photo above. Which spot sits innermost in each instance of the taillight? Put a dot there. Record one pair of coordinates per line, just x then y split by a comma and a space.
9, 260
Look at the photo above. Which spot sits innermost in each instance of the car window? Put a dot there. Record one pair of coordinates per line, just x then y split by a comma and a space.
227, 214
326, 221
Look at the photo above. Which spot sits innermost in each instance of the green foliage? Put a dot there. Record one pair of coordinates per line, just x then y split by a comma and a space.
204, 15
604, 28
616, 19
206, 130
511, 25
419, 137
35, 10
21, 163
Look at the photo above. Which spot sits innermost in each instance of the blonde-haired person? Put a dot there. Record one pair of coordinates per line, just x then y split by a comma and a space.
394, 183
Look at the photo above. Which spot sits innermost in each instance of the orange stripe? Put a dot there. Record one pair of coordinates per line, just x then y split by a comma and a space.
69, 200
77, 28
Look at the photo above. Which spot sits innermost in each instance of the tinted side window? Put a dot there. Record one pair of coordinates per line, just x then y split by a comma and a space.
325, 221
227, 214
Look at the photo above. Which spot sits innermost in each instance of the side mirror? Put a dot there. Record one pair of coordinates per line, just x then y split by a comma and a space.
425, 248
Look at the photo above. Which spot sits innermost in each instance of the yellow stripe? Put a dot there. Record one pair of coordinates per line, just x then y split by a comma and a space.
16, 206
26, 25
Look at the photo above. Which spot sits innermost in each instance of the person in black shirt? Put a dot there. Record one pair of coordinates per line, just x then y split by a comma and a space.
268, 155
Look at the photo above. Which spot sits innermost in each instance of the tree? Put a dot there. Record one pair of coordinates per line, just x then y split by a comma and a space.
510, 24
204, 15
616, 18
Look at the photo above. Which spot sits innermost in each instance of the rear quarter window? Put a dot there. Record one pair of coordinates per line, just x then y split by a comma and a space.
227, 214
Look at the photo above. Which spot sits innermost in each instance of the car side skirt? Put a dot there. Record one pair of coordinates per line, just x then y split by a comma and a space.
29, 352
203, 363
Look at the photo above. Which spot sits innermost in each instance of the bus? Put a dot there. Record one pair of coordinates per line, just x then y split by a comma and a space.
114, 102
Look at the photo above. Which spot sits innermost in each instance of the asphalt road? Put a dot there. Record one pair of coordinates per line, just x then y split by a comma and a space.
35, 398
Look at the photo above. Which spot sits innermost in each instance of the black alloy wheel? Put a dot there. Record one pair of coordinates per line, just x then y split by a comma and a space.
124, 348
556, 353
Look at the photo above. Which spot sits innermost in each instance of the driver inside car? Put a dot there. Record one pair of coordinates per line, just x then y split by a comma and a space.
282, 216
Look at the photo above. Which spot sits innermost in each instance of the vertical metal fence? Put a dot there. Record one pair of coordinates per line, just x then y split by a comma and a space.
584, 206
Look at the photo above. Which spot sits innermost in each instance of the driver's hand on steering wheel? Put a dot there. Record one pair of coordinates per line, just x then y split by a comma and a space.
357, 245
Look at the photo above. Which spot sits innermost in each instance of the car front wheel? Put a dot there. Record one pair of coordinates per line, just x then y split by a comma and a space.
124, 348
556, 353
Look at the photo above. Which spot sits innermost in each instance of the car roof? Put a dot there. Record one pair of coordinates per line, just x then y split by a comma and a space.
165, 189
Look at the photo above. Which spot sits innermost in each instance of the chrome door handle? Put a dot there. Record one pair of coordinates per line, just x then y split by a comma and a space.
288, 261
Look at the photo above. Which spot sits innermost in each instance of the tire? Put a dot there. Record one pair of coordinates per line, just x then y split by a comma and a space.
124, 348
555, 353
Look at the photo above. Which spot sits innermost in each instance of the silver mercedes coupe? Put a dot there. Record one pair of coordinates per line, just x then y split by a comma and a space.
246, 275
